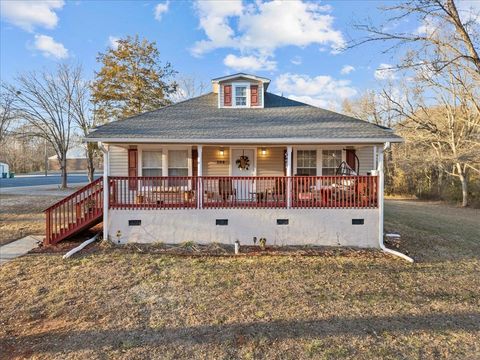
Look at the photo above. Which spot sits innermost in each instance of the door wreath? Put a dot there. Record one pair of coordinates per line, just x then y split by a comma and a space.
243, 162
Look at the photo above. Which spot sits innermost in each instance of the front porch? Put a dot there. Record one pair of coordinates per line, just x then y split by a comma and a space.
242, 192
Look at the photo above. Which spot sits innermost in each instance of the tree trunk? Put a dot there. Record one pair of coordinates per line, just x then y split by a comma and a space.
464, 181
63, 168
90, 162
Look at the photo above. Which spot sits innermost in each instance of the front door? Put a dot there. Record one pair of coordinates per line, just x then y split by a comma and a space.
243, 164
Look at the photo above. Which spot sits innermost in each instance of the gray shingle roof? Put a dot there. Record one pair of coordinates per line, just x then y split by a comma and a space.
281, 118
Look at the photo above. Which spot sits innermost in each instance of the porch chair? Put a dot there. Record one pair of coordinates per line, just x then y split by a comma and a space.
226, 189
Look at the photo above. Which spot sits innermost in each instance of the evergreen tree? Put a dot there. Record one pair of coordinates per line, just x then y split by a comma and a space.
132, 80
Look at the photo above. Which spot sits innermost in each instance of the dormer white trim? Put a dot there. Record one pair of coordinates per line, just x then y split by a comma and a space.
263, 80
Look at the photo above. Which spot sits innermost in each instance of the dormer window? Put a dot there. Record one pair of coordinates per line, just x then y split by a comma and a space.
240, 95
240, 91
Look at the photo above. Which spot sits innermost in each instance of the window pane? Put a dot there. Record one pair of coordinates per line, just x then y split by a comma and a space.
329, 171
240, 101
240, 95
152, 172
307, 162
177, 172
307, 172
178, 159
331, 160
152, 159
241, 91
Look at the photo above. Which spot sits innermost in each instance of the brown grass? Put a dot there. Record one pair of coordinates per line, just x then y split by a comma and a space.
121, 303
21, 215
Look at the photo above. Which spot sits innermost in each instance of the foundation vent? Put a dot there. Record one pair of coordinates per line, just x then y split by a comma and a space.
358, 221
134, 222
282, 221
221, 222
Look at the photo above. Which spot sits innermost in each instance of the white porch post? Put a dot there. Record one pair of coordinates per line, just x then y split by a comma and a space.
199, 174
289, 174
381, 184
106, 190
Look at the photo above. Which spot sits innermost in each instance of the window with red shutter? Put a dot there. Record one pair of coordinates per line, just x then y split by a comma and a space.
254, 95
227, 95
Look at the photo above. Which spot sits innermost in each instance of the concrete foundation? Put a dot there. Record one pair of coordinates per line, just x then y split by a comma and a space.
328, 227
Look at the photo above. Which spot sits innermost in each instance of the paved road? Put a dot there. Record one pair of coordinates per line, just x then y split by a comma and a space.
42, 180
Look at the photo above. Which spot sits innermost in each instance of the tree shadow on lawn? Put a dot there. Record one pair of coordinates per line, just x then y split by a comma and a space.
227, 334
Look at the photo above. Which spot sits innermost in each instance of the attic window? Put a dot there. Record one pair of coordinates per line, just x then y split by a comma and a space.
240, 96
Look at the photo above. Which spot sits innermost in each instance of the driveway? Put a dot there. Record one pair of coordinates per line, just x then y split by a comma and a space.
35, 180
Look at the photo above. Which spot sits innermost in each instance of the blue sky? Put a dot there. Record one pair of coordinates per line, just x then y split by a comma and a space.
295, 44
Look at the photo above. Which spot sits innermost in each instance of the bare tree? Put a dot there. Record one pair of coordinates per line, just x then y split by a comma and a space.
447, 131
371, 106
442, 25
44, 100
189, 87
83, 115
6, 113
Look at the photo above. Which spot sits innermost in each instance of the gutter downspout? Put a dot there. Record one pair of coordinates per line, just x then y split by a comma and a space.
381, 185
106, 190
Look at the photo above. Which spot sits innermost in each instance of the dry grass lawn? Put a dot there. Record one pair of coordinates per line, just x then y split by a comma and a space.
22, 215
119, 303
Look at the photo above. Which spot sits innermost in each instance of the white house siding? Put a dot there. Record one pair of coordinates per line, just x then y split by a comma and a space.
272, 163
215, 164
118, 158
323, 227
365, 157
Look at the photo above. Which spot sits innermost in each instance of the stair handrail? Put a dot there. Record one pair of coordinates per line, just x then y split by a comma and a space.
71, 196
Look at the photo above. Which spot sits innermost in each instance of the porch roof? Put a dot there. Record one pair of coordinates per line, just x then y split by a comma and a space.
282, 120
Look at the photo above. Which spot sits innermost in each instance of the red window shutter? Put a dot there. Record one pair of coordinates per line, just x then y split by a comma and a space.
254, 95
132, 167
350, 157
227, 95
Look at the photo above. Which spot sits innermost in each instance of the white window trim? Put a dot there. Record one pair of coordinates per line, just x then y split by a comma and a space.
319, 150
164, 150
189, 160
234, 94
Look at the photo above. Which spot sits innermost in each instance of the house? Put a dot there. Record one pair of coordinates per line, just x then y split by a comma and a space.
76, 160
236, 164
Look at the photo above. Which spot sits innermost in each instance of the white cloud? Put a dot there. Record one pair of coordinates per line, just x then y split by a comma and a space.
214, 17
347, 69
385, 72
49, 47
297, 60
245, 63
30, 14
113, 42
322, 90
161, 9
263, 27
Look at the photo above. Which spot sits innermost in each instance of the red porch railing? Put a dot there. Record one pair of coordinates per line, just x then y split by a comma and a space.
78, 211
334, 192
175, 192
243, 192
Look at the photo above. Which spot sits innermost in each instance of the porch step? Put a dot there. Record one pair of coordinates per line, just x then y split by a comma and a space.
75, 213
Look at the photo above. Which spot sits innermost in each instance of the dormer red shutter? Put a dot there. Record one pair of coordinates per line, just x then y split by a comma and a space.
254, 95
227, 95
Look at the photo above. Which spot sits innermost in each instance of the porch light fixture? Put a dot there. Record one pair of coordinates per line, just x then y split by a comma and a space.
222, 151
264, 151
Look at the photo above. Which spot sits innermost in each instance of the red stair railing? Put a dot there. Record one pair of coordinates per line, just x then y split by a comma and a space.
74, 213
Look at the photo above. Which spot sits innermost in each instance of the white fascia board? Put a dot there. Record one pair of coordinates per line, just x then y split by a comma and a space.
292, 141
